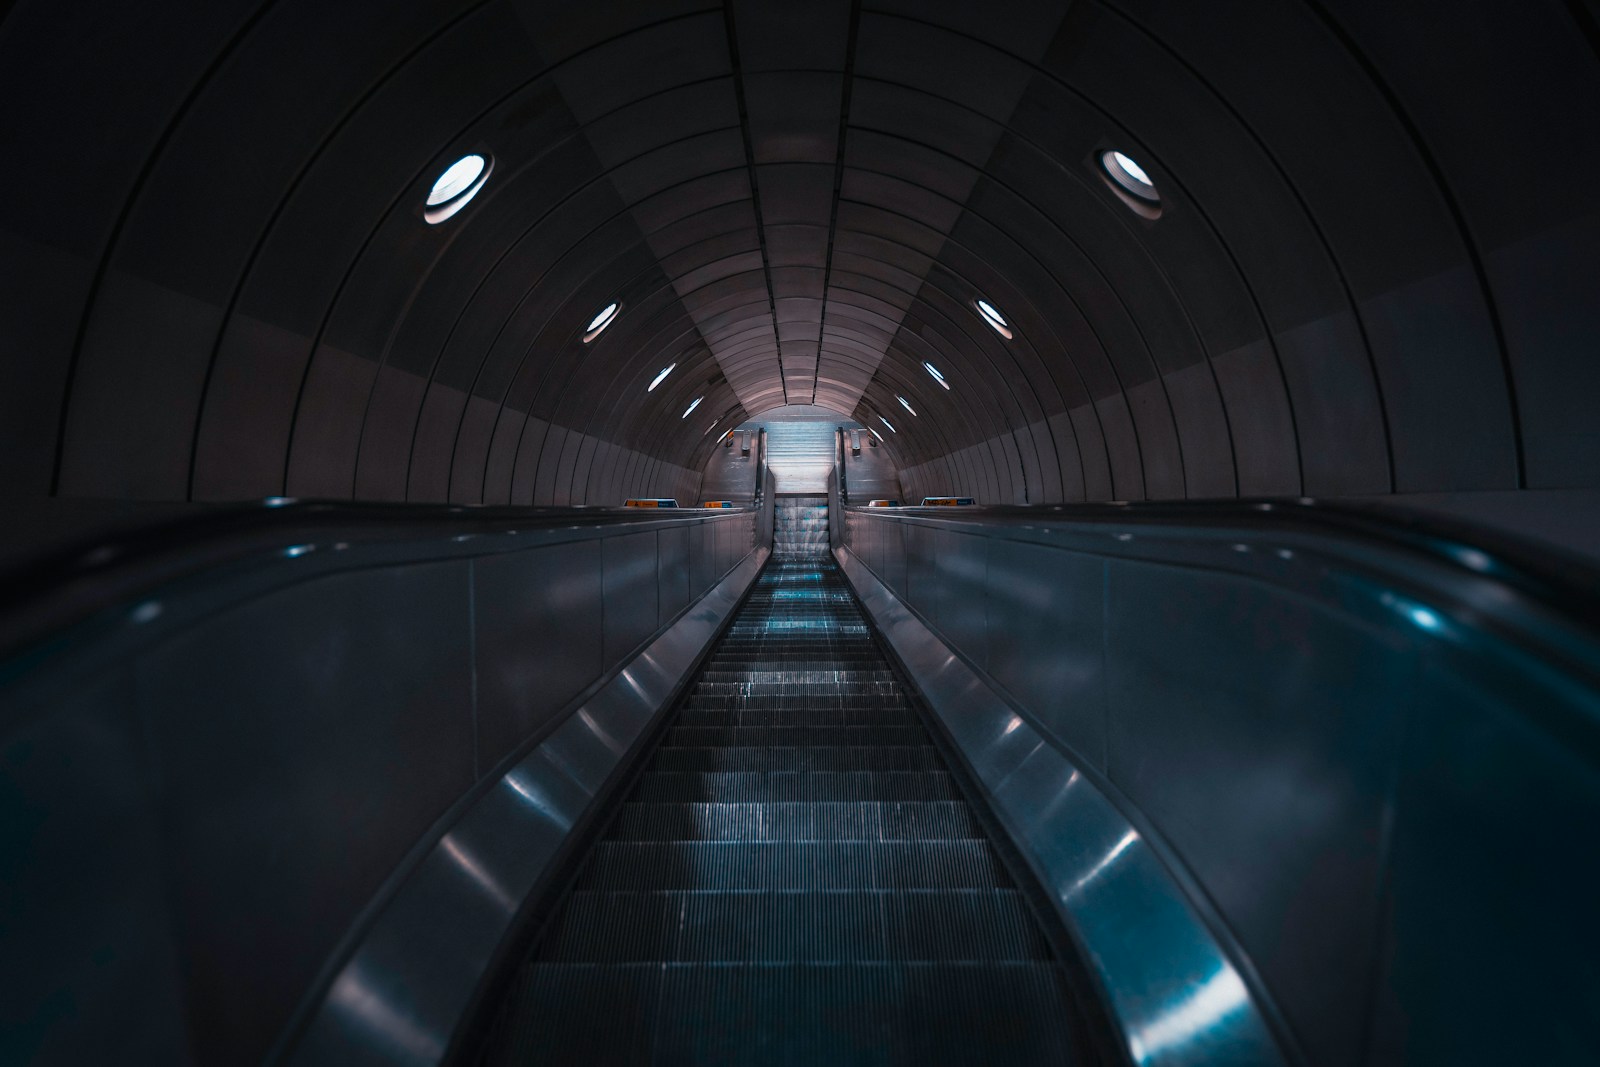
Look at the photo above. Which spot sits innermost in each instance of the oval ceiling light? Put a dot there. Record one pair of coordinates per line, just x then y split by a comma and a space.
992, 316
905, 403
459, 183
931, 369
1129, 178
875, 433
887, 423
658, 379
605, 317
692, 405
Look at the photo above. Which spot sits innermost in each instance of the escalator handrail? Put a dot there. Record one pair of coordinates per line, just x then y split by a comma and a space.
53, 591
1556, 579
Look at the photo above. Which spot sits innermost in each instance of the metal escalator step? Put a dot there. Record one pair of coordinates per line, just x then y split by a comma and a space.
765, 926
729, 865
792, 1013
858, 1015
795, 689
794, 876
581, 1014
773, 758
856, 680
740, 736
939, 820
863, 668
793, 716
802, 785
722, 865
734, 696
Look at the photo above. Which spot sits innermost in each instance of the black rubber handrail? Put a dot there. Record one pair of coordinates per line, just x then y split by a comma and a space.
56, 589
1545, 574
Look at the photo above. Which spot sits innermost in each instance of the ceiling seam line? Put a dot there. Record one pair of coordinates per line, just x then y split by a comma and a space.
755, 189
109, 248
1447, 194
838, 183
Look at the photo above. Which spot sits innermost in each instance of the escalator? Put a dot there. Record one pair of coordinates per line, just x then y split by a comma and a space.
794, 877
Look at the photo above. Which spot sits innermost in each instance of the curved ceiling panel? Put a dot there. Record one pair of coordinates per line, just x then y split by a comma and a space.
1362, 277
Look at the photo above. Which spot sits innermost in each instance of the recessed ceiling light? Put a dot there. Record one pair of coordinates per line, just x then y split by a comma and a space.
658, 379
459, 183
606, 316
887, 423
905, 403
692, 405
875, 433
1130, 177
992, 316
931, 369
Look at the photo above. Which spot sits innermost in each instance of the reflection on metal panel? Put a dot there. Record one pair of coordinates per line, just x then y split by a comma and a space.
1367, 756
402, 995
1170, 988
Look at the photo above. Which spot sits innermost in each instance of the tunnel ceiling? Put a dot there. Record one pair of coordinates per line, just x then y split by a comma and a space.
1361, 274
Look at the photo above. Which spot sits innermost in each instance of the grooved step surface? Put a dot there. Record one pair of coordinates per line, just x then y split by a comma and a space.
794, 876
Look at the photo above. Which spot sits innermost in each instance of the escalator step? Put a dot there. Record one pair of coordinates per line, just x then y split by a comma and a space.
743, 736
849, 926
736, 715
723, 865
794, 876
792, 1013
796, 785
818, 758
859, 821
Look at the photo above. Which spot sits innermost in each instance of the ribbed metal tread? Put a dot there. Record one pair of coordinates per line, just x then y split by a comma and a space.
796, 758
793, 878
725, 865
783, 736
733, 714
940, 820
692, 786
849, 926
929, 1014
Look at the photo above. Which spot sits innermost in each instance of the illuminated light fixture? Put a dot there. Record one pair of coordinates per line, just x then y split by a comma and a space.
606, 317
992, 316
658, 379
692, 405
713, 426
875, 433
459, 183
1131, 182
905, 404
931, 369
887, 423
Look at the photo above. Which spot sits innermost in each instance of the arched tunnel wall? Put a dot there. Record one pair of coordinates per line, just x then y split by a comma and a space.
1371, 271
